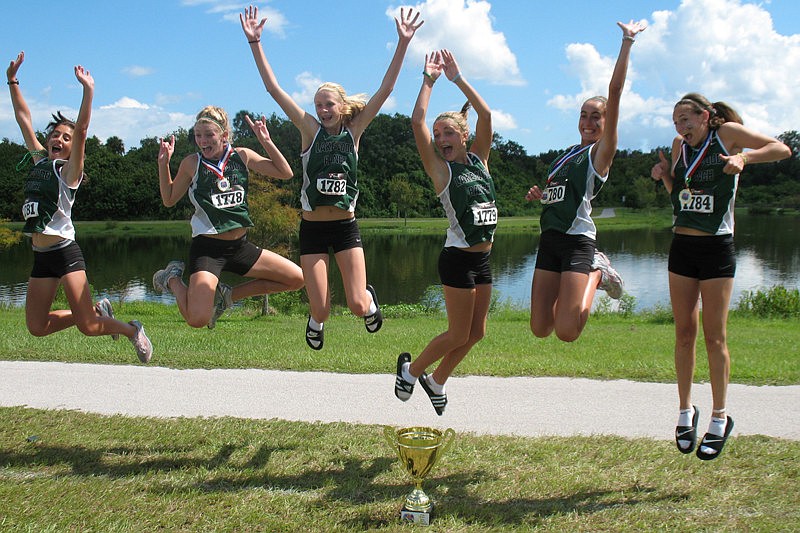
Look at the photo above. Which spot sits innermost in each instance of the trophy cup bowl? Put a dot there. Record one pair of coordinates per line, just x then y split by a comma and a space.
418, 449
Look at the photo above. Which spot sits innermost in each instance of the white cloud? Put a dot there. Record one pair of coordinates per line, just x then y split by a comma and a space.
482, 51
308, 88
725, 49
137, 71
502, 121
132, 121
276, 21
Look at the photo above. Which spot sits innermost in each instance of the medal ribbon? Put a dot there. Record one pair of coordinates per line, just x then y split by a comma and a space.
219, 168
690, 169
573, 152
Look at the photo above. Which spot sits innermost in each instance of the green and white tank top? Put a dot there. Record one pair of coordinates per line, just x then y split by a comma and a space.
572, 184
219, 194
469, 203
702, 195
329, 171
47, 208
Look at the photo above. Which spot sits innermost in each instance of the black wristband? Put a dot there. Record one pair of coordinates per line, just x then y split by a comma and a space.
14, 82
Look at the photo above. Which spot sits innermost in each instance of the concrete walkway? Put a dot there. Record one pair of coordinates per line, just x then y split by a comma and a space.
524, 406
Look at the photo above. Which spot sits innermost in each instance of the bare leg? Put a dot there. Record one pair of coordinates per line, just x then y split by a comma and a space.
684, 294
315, 273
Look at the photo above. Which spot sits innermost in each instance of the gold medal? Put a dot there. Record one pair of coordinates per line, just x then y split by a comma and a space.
685, 195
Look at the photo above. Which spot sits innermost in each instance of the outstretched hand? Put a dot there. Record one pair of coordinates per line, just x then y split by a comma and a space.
433, 65
166, 149
84, 77
11, 71
259, 127
632, 28
251, 26
449, 65
407, 26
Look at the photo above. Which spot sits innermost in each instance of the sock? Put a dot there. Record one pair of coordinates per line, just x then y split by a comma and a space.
435, 387
685, 417
372, 307
316, 326
406, 373
717, 426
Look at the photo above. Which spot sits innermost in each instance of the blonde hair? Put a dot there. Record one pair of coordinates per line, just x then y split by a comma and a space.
217, 116
459, 118
352, 104
718, 113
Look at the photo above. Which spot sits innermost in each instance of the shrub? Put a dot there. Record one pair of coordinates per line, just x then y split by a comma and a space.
777, 302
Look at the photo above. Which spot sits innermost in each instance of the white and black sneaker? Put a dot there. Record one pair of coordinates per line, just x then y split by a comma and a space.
314, 338
103, 308
439, 401
374, 321
223, 299
402, 388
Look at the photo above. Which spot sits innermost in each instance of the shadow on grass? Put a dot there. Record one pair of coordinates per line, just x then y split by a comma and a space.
344, 481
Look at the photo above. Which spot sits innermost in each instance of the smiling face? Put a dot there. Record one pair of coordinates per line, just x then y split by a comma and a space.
690, 124
59, 142
329, 110
210, 139
449, 139
592, 121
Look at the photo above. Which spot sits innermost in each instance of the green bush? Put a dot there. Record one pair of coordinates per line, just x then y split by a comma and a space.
777, 302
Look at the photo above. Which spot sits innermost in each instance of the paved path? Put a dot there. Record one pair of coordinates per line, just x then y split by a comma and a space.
522, 406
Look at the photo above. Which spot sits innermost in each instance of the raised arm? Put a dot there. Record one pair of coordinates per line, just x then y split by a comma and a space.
21, 111
253, 29
434, 165
606, 147
73, 169
275, 165
482, 143
406, 27
172, 190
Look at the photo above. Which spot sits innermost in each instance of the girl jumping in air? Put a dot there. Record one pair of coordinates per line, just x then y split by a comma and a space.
330, 141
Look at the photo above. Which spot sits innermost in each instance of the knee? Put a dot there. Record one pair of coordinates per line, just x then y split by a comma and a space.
568, 336
296, 283
198, 321
37, 330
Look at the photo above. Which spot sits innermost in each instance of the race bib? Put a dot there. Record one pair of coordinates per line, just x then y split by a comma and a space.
484, 214
30, 210
232, 198
697, 203
334, 184
553, 194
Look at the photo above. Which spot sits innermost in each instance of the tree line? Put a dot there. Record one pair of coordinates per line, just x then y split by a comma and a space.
123, 185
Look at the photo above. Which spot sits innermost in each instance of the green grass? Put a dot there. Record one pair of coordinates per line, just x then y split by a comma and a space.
611, 347
68, 471
71, 471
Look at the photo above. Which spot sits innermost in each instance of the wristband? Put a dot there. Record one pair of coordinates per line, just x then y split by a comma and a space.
628, 38
429, 76
456, 77
254, 42
13, 82
744, 158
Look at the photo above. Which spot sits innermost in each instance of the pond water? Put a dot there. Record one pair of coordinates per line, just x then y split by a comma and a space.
402, 267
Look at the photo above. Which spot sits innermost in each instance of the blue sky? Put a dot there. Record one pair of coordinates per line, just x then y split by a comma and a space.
155, 64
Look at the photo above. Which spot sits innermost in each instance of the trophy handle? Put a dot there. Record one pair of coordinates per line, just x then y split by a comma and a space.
391, 437
447, 440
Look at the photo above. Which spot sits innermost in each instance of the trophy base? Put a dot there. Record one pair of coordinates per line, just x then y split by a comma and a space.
422, 518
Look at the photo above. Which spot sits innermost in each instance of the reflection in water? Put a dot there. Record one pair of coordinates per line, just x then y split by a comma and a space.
402, 266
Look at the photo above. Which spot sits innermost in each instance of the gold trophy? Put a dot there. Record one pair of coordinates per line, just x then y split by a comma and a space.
418, 449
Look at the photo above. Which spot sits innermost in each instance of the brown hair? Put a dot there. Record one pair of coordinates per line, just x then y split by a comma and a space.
602, 99
58, 119
718, 113
458, 117
352, 104
217, 116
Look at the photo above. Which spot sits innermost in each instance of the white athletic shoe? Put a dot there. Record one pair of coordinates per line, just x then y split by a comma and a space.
174, 269
103, 308
223, 299
610, 281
